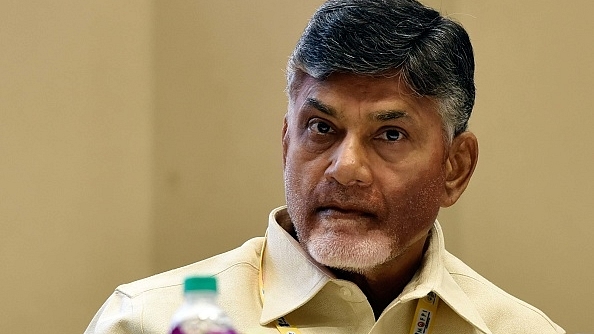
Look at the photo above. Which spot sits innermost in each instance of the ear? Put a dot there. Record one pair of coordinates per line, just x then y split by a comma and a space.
285, 140
460, 164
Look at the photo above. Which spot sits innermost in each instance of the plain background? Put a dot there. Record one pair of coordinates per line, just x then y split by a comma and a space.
138, 136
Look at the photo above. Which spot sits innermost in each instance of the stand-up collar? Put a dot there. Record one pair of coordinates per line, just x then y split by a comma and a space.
291, 277
434, 276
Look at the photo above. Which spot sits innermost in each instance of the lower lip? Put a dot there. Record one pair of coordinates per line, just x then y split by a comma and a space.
348, 215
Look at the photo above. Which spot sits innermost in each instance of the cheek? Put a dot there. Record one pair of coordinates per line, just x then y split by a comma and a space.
414, 202
299, 181
304, 168
426, 198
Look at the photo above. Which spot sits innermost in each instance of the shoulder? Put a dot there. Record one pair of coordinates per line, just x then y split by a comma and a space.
502, 312
149, 303
242, 260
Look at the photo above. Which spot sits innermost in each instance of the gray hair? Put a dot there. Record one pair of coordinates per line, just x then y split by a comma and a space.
432, 54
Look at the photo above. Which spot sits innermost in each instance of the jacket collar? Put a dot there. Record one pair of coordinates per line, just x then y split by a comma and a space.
434, 276
291, 277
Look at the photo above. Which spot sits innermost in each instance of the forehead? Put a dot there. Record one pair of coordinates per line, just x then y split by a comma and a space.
366, 94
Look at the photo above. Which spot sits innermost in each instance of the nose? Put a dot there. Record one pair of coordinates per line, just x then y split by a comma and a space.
350, 165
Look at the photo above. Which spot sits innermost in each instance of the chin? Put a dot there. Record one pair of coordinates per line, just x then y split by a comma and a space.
354, 254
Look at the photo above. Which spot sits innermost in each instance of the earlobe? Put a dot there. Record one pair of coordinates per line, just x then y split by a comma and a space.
459, 167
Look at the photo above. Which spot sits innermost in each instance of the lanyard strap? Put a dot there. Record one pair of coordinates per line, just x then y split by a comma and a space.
424, 314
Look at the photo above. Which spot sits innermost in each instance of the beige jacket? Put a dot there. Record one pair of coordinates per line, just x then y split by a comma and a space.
315, 301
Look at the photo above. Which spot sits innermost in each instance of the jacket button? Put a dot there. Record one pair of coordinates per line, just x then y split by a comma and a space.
346, 292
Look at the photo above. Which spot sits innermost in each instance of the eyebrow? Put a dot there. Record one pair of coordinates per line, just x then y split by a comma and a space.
378, 116
388, 115
326, 109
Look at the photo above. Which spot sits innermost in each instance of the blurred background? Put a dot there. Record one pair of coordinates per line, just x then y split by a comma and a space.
139, 136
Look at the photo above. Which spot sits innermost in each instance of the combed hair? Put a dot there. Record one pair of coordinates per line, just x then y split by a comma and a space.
432, 54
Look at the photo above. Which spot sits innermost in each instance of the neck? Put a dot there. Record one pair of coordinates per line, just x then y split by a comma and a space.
385, 283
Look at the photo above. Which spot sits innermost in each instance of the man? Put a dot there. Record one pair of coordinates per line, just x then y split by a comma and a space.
375, 141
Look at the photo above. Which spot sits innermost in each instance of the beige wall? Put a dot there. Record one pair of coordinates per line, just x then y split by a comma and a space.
76, 140
139, 136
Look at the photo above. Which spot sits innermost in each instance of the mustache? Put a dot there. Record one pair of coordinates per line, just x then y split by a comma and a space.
331, 195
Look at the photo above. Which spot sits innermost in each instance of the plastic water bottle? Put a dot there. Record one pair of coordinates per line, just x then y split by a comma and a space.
200, 313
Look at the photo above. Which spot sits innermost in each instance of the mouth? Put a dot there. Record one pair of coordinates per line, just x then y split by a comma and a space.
344, 212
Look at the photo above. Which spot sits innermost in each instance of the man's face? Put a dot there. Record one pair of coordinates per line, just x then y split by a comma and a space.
364, 169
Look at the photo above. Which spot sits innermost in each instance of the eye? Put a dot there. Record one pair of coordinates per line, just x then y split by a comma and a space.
391, 135
319, 126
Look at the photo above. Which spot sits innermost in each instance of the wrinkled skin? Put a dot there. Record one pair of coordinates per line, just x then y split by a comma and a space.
364, 169
367, 169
